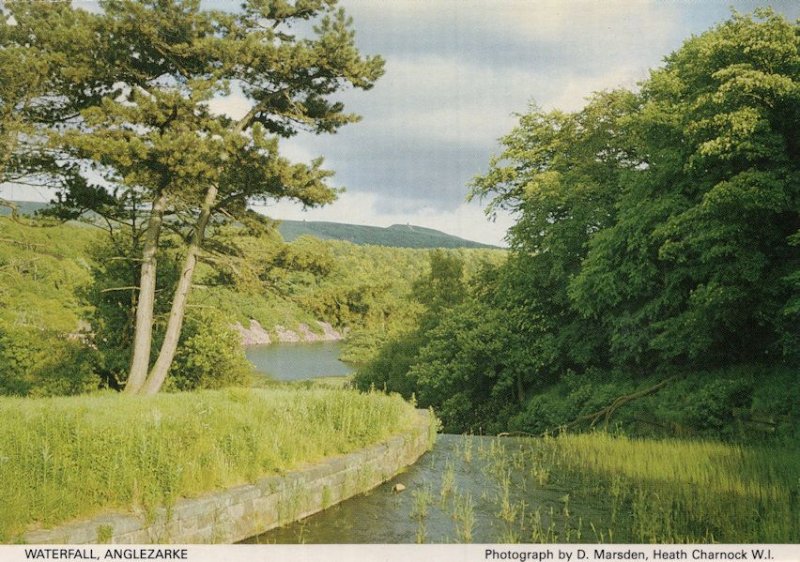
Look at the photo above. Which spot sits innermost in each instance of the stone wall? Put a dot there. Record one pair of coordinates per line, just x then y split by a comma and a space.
237, 513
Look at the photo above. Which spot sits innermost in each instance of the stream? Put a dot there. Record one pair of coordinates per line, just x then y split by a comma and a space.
462, 491
467, 489
582, 489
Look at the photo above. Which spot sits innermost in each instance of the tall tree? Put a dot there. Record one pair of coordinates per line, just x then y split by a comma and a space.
47, 74
169, 162
698, 266
559, 172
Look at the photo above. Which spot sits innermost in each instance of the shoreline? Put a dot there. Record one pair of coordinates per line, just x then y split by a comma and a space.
256, 334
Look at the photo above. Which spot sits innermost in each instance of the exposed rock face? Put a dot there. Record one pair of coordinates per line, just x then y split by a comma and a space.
284, 335
257, 335
329, 333
254, 335
306, 334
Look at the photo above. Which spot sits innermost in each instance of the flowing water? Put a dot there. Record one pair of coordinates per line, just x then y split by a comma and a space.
463, 490
298, 361
580, 489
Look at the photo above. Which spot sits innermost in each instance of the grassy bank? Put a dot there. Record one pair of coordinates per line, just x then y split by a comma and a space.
648, 490
62, 458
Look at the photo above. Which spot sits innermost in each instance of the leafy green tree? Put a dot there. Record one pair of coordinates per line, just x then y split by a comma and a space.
167, 160
656, 230
438, 290
211, 355
443, 286
43, 363
461, 368
559, 172
45, 63
700, 264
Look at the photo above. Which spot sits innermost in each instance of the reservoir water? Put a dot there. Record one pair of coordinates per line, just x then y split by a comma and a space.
298, 361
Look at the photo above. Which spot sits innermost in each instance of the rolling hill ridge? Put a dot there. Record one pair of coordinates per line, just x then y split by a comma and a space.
395, 236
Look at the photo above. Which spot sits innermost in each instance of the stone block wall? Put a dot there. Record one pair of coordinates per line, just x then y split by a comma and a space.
234, 514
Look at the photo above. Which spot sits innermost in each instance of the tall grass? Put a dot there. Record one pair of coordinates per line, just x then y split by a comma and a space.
683, 491
62, 458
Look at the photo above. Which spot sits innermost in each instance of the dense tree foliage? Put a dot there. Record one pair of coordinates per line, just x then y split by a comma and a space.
47, 73
41, 274
698, 266
362, 290
142, 120
657, 233
67, 289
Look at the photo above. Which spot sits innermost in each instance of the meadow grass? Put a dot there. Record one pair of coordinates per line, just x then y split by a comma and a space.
677, 491
70, 457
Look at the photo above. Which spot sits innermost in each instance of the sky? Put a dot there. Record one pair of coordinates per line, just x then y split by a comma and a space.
458, 72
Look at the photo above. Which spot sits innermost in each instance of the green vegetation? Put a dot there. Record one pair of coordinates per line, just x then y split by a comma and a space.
42, 271
126, 91
362, 289
653, 272
65, 319
63, 458
395, 236
748, 403
66, 287
651, 289
645, 491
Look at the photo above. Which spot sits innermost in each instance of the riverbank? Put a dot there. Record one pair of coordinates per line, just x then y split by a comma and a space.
74, 457
240, 512
588, 488
256, 334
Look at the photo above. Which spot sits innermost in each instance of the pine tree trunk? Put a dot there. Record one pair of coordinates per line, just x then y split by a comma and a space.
143, 329
176, 315
169, 346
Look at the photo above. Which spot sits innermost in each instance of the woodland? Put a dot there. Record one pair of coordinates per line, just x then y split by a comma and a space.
651, 282
653, 275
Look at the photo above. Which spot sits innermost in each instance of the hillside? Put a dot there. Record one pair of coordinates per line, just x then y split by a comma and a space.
395, 236
58, 280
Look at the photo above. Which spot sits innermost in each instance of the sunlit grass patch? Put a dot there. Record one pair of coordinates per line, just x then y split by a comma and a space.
62, 458
683, 491
598, 487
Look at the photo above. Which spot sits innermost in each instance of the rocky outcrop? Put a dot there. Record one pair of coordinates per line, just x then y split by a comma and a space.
328, 333
256, 334
285, 335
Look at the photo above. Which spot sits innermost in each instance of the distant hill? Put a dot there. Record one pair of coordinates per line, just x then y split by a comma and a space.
395, 236
23, 207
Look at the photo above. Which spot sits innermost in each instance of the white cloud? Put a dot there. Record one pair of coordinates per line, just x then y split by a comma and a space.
451, 101
234, 105
576, 89
591, 22
298, 152
587, 20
